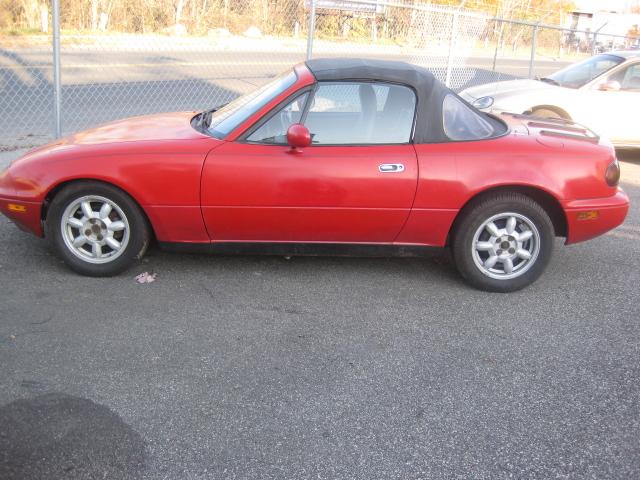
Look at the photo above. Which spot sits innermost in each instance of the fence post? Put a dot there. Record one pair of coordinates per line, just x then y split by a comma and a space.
534, 41
595, 38
312, 28
452, 47
56, 68
498, 42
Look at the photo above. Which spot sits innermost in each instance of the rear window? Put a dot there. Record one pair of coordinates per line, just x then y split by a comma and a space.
461, 122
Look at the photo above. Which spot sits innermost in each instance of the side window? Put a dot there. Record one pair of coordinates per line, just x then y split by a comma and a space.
274, 130
359, 113
629, 78
463, 123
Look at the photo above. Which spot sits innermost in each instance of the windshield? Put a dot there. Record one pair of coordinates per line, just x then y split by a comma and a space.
227, 118
581, 73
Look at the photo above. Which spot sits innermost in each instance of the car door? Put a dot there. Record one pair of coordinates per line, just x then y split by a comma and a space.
355, 183
614, 105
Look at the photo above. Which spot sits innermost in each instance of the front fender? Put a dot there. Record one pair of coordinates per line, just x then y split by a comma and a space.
162, 177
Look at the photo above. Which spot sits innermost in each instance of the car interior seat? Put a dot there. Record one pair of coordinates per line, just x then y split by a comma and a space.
398, 111
369, 106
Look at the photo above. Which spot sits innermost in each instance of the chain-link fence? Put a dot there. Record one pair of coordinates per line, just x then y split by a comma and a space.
226, 48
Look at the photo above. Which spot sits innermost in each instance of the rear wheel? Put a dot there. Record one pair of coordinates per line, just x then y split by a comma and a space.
503, 242
97, 229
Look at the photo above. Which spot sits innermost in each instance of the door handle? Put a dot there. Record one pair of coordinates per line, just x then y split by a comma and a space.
391, 167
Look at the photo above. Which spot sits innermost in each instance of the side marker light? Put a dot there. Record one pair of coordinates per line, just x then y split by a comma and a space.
14, 207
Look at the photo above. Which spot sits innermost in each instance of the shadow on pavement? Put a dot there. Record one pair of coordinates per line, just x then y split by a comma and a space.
62, 436
27, 102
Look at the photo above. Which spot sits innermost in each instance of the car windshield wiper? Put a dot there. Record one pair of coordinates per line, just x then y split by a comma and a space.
549, 80
205, 118
200, 121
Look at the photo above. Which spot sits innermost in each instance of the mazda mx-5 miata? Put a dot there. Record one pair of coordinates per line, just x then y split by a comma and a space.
336, 156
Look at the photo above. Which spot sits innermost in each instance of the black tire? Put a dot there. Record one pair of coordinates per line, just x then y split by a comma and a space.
138, 231
546, 113
471, 220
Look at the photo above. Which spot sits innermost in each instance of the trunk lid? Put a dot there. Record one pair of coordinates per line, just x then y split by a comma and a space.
549, 129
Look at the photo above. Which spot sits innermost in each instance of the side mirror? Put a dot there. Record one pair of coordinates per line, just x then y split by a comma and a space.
610, 86
298, 137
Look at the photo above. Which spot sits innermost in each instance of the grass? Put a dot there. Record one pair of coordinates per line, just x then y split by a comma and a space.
19, 32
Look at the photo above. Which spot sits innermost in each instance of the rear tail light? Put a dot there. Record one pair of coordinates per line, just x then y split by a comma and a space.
612, 175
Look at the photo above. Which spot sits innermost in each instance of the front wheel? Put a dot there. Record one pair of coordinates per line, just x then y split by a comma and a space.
546, 113
503, 242
97, 229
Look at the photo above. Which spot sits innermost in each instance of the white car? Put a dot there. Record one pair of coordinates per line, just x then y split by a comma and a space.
601, 92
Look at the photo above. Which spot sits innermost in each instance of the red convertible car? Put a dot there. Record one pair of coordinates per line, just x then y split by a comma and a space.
337, 156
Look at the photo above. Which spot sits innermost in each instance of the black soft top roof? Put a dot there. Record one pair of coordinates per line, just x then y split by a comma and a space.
429, 90
366, 69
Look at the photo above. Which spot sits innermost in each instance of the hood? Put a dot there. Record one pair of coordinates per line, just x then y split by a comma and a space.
148, 133
147, 128
162, 126
505, 88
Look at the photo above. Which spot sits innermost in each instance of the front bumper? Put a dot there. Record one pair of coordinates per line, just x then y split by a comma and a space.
590, 218
25, 212
26, 215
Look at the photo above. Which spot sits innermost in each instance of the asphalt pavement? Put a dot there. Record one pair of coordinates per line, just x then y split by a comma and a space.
324, 368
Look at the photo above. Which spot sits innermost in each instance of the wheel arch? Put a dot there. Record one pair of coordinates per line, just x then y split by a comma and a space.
546, 200
57, 188
554, 108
